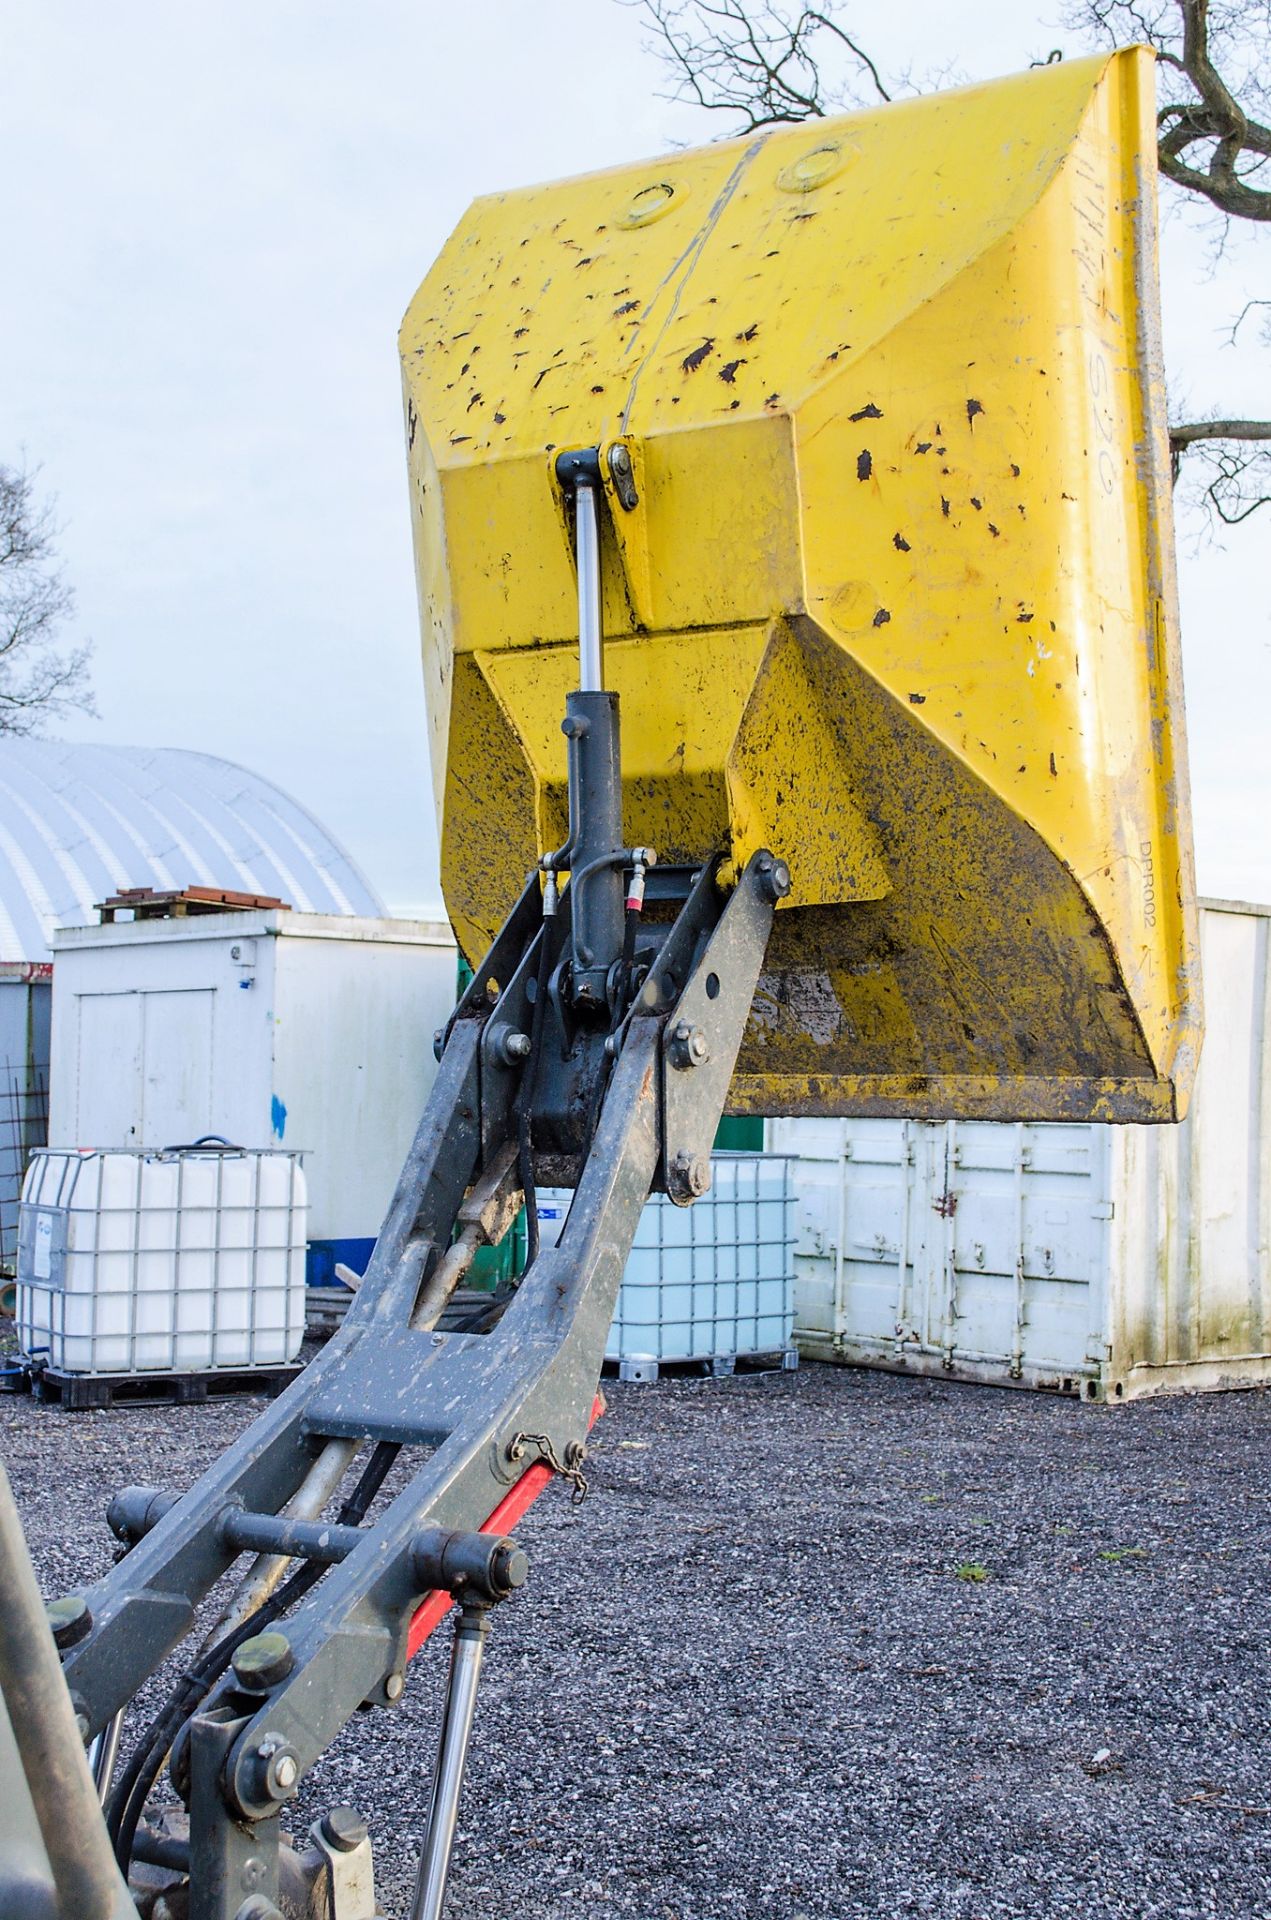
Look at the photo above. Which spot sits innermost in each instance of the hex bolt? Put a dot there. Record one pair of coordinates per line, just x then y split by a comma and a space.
262, 1662
688, 1176
280, 1766
343, 1828
512, 1046
689, 1046
623, 478
774, 878
70, 1620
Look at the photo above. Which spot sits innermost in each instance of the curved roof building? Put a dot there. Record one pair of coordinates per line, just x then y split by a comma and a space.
80, 822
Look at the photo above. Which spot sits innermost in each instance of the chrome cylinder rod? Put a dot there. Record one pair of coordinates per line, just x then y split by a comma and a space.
452, 1753
103, 1753
591, 664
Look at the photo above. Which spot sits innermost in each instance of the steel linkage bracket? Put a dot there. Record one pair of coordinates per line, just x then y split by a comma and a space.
701, 1038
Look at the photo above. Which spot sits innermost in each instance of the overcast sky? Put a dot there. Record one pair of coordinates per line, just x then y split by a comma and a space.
216, 217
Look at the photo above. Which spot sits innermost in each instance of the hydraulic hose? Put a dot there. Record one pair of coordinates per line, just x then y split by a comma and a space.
136, 1783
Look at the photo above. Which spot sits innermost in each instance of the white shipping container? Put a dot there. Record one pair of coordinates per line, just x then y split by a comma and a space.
25, 994
270, 1028
136, 1262
710, 1283
1102, 1261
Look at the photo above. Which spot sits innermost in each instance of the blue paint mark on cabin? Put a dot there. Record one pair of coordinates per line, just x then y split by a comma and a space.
278, 1115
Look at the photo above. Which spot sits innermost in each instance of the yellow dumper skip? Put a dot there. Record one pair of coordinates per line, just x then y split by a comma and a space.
896, 599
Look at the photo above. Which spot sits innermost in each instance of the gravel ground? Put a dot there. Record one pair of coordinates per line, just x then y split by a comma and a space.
833, 1643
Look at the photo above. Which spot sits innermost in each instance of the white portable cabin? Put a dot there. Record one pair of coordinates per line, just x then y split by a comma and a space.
1102, 1261
269, 1028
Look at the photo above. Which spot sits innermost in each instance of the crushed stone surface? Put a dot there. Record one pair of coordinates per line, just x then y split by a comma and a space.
833, 1643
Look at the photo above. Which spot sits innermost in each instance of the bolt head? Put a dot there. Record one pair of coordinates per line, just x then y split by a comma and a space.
343, 1828
688, 1177
393, 1685
280, 1768
509, 1566
689, 1046
262, 1662
774, 878
70, 1620
515, 1046
257, 1907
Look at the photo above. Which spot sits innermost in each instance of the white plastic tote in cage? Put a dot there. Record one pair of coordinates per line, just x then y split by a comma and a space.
711, 1283
178, 1262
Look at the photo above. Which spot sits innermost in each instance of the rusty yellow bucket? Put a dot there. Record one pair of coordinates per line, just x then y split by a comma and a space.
890, 590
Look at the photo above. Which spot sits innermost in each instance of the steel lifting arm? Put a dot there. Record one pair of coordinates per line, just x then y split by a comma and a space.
593, 1048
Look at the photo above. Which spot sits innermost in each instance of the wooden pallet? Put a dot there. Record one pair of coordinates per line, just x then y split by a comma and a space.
89, 1392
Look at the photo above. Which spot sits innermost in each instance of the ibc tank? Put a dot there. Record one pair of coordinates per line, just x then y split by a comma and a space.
162, 1262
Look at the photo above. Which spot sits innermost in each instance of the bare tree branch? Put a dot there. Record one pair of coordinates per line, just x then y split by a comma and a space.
1187, 434
1228, 478
1214, 137
1243, 315
39, 679
764, 63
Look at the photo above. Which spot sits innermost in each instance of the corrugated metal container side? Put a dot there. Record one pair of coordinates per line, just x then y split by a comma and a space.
1103, 1261
273, 1029
1192, 1229
25, 1002
710, 1283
